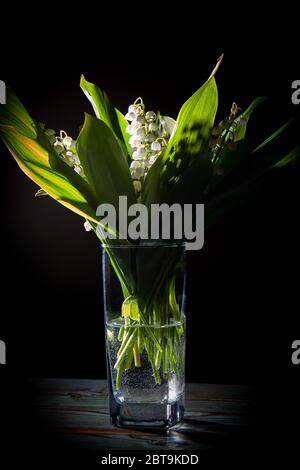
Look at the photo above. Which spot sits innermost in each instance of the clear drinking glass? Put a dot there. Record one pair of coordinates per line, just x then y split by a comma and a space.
145, 334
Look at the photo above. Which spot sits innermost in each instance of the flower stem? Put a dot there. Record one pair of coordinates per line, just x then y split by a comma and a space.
136, 355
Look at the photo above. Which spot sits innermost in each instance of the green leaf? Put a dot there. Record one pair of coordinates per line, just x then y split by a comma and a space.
290, 158
13, 114
273, 137
241, 122
240, 183
155, 267
187, 145
33, 159
231, 159
105, 111
250, 160
196, 116
104, 163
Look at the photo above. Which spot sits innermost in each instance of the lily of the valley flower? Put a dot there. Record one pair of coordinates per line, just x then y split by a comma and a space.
148, 137
65, 146
87, 226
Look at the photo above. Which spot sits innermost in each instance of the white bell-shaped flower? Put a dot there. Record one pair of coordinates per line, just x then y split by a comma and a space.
137, 186
67, 142
140, 133
134, 109
135, 142
150, 138
152, 127
134, 165
79, 170
130, 116
140, 120
87, 226
138, 170
139, 154
76, 159
150, 116
156, 146
59, 146
152, 159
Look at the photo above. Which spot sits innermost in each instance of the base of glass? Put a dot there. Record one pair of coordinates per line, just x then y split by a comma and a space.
147, 415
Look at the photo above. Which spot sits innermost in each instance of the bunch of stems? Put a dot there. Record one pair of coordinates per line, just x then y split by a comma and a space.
158, 334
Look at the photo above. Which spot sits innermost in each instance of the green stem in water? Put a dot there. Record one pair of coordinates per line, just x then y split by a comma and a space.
126, 348
136, 355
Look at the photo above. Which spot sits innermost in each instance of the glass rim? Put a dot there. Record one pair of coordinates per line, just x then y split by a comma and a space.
146, 244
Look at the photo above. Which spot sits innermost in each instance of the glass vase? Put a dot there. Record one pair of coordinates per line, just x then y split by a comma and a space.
144, 305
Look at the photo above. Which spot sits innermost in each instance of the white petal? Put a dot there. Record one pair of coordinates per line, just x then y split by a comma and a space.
149, 138
137, 186
150, 116
130, 116
140, 120
140, 133
139, 154
152, 159
155, 146
132, 109
140, 171
87, 226
134, 142
152, 127
67, 141
134, 165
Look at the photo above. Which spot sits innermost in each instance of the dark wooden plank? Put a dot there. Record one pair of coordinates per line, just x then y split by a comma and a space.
77, 411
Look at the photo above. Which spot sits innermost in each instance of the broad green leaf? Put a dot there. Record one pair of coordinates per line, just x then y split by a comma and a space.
54, 183
40, 151
187, 144
34, 161
196, 117
14, 114
240, 183
105, 111
250, 161
104, 162
17, 125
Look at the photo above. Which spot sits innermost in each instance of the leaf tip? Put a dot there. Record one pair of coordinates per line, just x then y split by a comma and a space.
216, 66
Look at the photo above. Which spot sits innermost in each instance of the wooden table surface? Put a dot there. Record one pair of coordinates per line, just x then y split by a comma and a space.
77, 411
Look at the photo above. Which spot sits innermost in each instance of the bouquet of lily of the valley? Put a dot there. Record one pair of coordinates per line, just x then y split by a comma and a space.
147, 158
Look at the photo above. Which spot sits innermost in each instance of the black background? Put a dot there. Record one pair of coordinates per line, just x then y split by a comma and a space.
242, 287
